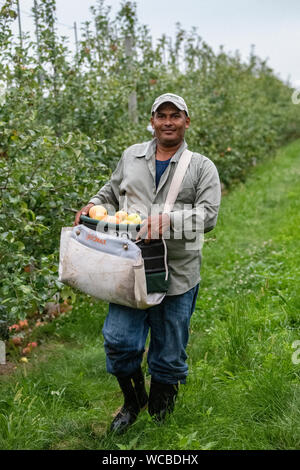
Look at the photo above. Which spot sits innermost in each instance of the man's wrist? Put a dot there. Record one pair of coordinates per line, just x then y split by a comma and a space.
94, 201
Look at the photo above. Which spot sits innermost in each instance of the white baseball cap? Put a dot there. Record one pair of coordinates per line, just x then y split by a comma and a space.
170, 98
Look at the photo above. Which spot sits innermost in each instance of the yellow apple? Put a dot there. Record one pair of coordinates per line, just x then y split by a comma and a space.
121, 216
24, 359
134, 219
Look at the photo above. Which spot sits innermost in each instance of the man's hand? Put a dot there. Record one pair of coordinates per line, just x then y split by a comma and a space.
154, 227
83, 211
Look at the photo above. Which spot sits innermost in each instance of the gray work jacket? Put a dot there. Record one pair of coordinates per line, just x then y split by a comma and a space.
132, 187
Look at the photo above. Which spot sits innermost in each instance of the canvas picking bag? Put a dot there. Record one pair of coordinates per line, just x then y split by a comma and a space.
113, 268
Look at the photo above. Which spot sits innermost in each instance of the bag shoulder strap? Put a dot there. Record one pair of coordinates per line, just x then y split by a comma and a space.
180, 171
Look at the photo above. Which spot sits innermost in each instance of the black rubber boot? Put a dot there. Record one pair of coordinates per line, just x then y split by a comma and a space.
162, 399
135, 398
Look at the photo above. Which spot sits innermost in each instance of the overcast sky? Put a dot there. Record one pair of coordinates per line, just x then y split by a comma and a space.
273, 26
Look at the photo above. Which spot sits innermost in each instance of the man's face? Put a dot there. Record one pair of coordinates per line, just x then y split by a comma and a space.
169, 124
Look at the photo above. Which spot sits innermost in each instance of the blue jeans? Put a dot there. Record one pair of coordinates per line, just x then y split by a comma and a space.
126, 329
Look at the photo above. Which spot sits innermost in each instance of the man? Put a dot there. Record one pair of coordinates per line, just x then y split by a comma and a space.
143, 178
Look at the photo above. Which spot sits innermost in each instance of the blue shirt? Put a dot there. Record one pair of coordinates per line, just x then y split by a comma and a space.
161, 166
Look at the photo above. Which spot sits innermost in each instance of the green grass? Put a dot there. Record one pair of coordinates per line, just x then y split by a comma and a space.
243, 388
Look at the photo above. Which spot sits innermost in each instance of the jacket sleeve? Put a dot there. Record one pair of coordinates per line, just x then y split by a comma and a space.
109, 193
202, 217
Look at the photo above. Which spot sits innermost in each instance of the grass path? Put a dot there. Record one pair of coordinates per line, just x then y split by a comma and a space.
243, 388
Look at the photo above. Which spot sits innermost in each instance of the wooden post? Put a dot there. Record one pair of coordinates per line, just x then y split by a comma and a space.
20, 26
132, 99
97, 41
76, 37
36, 29
40, 74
